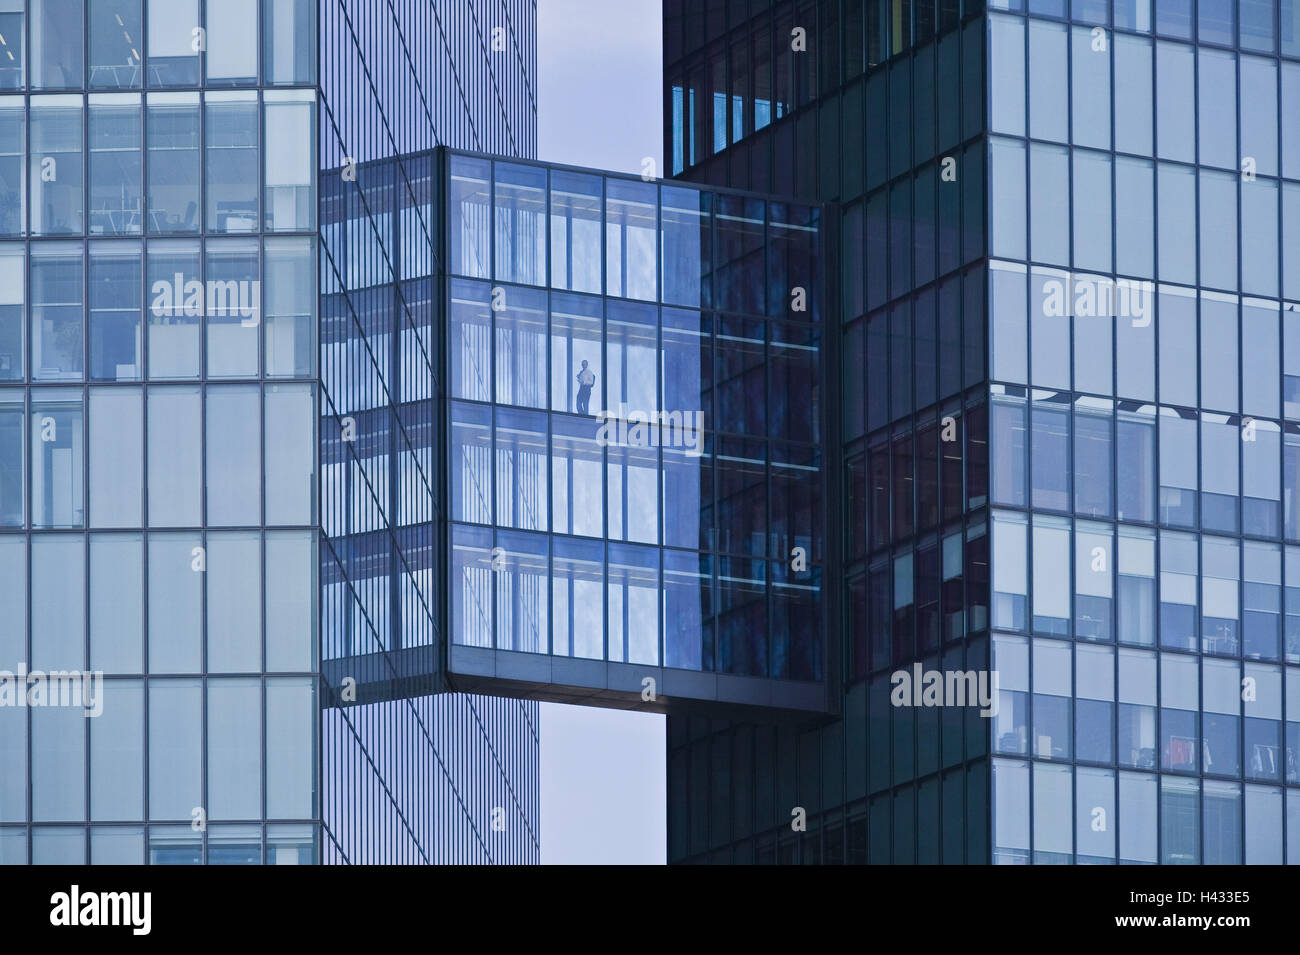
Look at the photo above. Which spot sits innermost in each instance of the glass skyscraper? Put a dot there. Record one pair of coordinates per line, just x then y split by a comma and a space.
214, 264
1068, 432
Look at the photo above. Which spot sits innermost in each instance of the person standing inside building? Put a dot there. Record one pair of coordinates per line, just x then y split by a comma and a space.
586, 379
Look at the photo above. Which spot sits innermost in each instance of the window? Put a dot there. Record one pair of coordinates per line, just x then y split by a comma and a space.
174, 312
289, 301
290, 454
116, 457
13, 153
233, 307
289, 41
1136, 569
116, 343
57, 456
520, 223
1010, 572
13, 283
231, 165
58, 609
521, 349
1262, 593
631, 264
1221, 616
173, 138
1049, 453
1092, 457
232, 45
13, 44
12, 458
1179, 704
1052, 699
1094, 703
1137, 709
1133, 116
56, 177
115, 164
175, 741
175, 602
1048, 86
1178, 591
116, 602
575, 201
57, 36
117, 753
115, 45
173, 54
234, 452
174, 456
1051, 575
290, 201
233, 576
1178, 470
234, 748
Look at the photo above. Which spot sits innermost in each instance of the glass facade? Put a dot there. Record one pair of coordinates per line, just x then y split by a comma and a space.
634, 431
175, 294
1066, 238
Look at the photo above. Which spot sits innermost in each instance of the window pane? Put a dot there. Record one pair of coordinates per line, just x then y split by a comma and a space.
116, 602
56, 44
234, 749
232, 42
520, 223
176, 742
175, 429
230, 124
12, 458
173, 136
289, 41
58, 764
117, 753
56, 176
290, 454
234, 455
115, 44
176, 563
290, 600
290, 160
173, 58
115, 164
57, 298
57, 459
234, 580
116, 457
13, 136
15, 44
116, 348
233, 308
176, 302
58, 603
290, 748
521, 348
290, 306
631, 263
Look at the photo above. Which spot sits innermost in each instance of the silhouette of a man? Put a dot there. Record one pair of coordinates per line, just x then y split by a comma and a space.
586, 379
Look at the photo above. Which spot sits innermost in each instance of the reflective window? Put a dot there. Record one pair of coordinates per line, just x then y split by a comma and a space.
290, 748
231, 161
631, 227
13, 46
234, 455
1052, 699
520, 223
58, 766
13, 284
116, 340
685, 243
1007, 62
1178, 467
1220, 609
575, 232
289, 41
175, 741
173, 43
521, 348
232, 45
1010, 572
12, 458
115, 44
233, 307
289, 302
57, 456
234, 740
1048, 85
1134, 123
1137, 709
234, 608
1179, 703
290, 454
290, 159
1178, 592
176, 568
1218, 235
173, 142
175, 449
55, 173
117, 753
290, 600
1175, 102
116, 168
1090, 72
1136, 577
13, 136
57, 37
58, 606
1051, 575
116, 457
117, 603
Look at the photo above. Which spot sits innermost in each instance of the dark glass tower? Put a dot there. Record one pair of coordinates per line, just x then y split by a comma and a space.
1069, 252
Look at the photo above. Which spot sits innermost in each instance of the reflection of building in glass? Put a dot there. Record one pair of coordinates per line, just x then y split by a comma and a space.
1098, 501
